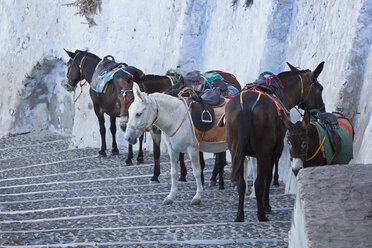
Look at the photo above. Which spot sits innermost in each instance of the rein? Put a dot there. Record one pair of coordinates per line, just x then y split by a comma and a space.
183, 119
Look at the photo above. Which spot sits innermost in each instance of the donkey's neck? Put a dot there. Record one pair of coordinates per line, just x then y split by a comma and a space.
171, 112
292, 90
89, 67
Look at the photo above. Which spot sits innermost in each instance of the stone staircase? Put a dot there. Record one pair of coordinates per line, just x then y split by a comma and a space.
53, 196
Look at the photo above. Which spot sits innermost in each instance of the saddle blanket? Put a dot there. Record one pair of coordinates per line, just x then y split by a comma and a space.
100, 84
346, 153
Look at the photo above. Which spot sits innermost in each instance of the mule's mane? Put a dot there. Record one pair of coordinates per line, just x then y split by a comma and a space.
152, 77
286, 74
87, 53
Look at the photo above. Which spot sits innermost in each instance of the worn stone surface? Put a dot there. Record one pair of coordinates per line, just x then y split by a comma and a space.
52, 195
337, 205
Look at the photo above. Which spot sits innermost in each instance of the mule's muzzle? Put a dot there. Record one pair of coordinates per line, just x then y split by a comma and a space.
131, 140
296, 165
123, 123
69, 87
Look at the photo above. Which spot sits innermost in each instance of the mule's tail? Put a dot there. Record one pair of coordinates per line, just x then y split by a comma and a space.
244, 122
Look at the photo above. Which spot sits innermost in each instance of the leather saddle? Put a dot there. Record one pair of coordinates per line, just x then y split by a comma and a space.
202, 112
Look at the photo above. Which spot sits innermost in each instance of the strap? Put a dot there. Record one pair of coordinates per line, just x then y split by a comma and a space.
320, 146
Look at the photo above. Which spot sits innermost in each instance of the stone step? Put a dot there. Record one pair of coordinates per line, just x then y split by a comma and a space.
273, 233
30, 139
113, 190
145, 198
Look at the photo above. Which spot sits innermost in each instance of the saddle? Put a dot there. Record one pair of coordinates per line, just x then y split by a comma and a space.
269, 84
345, 154
330, 121
104, 72
202, 112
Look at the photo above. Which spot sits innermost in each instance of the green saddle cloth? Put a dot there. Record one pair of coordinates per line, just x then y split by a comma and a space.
346, 153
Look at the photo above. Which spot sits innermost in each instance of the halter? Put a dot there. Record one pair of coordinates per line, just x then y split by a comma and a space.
125, 100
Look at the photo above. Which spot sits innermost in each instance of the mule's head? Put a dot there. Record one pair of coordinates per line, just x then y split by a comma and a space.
141, 115
126, 98
312, 90
298, 140
74, 75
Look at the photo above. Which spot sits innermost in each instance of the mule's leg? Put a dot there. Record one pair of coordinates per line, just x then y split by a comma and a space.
156, 152
128, 161
102, 130
221, 165
254, 172
183, 168
239, 160
197, 171
156, 138
266, 200
140, 152
202, 166
173, 174
276, 174
246, 161
264, 164
115, 150
213, 179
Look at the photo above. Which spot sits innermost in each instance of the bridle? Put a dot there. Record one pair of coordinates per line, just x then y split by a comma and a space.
125, 100
81, 67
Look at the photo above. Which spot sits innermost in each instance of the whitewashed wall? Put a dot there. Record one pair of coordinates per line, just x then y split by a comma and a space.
155, 35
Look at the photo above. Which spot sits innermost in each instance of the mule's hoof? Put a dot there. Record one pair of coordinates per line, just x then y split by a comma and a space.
115, 152
276, 184
239, 219
128, 162
221, 186
263, 218
195, 201
182, 179
212, 183
267, 209
154, 180
167, 201
102, 154
140, 160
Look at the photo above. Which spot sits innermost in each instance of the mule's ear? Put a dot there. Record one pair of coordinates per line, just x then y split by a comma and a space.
71, 54
306, 118
292, 67
318, 70
137, 93
287, 122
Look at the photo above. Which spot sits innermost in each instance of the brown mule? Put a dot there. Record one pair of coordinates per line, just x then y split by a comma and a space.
260, 132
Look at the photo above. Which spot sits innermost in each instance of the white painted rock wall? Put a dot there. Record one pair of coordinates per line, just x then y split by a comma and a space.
156, 35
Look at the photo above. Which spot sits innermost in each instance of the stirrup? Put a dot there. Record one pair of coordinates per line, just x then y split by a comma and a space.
204, 120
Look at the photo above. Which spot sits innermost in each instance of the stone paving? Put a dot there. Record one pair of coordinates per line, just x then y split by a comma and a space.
53, 196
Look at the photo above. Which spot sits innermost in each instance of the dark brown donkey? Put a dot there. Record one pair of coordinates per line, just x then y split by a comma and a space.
305, 144
259, 132
82, 66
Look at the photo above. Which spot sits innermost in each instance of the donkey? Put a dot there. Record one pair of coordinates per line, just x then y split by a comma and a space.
253, 128
305, 143
150, 84
172, 117
81, 66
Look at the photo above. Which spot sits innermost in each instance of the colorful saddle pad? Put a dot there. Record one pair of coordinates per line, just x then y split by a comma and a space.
346, 153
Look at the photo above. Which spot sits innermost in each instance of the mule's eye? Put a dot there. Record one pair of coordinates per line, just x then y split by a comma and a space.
303, 145
138, 114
